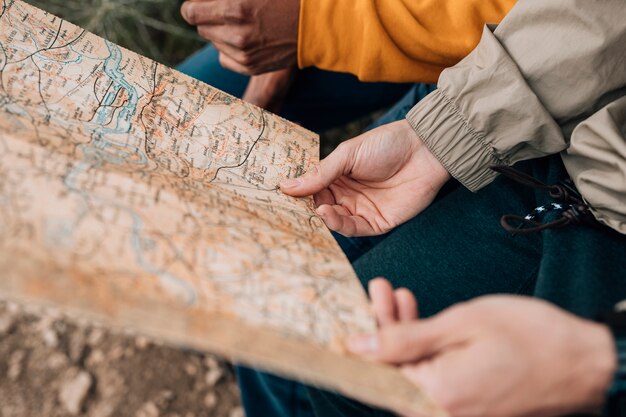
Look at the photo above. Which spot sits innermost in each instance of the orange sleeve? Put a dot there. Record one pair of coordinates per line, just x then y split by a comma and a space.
393, 40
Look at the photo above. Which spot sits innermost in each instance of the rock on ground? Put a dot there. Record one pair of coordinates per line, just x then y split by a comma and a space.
74, 390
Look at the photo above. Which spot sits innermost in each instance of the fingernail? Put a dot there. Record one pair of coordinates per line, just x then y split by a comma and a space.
183, 10
290, 183
364, 344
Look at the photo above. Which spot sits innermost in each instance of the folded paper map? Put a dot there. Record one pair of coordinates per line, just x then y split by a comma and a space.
136, 196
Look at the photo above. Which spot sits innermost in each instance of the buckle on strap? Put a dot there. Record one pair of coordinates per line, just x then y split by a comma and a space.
572, 206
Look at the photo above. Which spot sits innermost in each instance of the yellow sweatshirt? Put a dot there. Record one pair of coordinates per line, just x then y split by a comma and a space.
393, 40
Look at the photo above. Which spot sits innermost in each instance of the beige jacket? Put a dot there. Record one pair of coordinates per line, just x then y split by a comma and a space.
550, 78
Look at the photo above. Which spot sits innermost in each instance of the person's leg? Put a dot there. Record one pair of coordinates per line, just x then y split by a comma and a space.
264, 395
318, 100
321, 100
204, 65
582, 269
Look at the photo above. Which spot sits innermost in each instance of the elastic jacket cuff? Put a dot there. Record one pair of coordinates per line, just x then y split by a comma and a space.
460, 149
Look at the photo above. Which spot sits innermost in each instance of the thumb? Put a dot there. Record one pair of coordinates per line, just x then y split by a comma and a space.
407, 342
338, 163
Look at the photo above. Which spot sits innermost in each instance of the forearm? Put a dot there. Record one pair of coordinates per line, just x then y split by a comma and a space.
521, 92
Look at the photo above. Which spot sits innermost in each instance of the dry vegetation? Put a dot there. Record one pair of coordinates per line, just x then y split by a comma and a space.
152, 28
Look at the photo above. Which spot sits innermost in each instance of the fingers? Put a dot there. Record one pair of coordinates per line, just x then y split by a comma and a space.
407, 342
406, 305
339, 219
338, 163
324, 197
229, 63
212, 12
269, 90
383, 301
196, 13
227, 49
391, 306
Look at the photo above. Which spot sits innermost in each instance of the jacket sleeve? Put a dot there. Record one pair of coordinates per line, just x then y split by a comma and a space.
393, 40
528, 84
596, 161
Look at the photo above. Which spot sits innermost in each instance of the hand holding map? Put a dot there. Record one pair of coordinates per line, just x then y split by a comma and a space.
136, 196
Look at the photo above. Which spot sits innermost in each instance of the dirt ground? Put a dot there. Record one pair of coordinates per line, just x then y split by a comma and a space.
51, 366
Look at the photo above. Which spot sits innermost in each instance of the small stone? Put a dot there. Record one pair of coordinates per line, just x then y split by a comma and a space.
76, 347
211, 362
59, 326
50, 337
6, 323
12, 307
213, 376
210, 400
57, 360
102, 409
164, 399
111, 385
148, 409
110, 391
95, 337
141, 343
237, 412
74, 390
191, 369
95, 358
116, 353
16, 363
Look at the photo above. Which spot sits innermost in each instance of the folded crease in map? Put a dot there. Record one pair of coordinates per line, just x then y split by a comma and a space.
136, 196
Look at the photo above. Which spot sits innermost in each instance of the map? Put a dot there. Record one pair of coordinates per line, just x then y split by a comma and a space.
141, 197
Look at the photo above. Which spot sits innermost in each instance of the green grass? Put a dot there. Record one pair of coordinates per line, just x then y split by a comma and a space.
152, 28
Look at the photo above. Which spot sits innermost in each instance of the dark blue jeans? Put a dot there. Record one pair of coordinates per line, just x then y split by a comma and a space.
318, 100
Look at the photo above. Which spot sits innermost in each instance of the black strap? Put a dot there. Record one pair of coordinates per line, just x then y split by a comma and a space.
574, 209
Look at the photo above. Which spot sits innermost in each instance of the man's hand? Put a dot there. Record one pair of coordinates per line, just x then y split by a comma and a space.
374, 182
269, 90
253, 36
500, 356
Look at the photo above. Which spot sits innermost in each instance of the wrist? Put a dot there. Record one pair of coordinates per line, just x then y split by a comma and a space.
439, 175
458, 147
